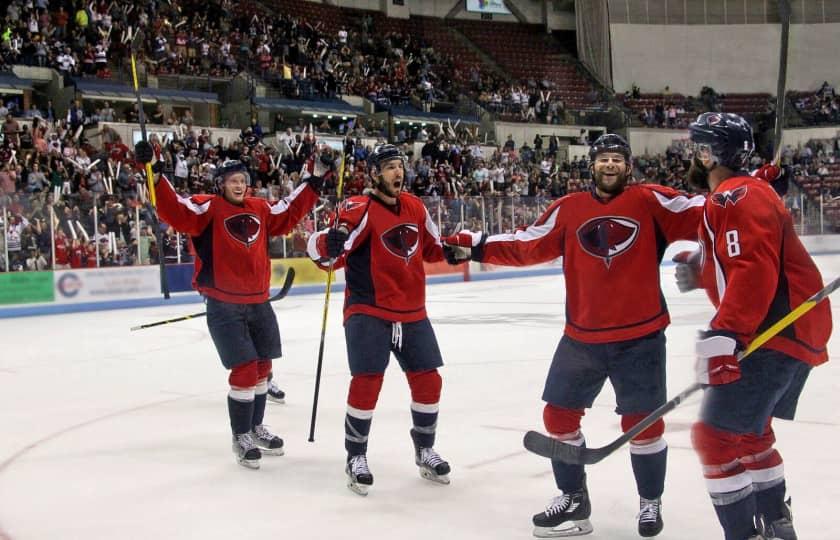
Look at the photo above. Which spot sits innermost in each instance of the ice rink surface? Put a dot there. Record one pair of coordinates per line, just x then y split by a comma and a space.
112, 434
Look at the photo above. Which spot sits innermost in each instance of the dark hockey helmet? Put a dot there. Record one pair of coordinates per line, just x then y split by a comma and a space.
228, 167
384, 153
610, 142
726, 138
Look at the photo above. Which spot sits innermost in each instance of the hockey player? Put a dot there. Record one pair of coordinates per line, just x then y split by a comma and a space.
232, 271
612, 240
381, 241
750, 252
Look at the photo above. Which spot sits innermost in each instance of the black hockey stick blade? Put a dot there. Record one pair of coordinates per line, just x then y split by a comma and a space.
284, 290
549, 447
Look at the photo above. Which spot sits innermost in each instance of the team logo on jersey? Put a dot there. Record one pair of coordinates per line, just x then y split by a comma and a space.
402, 240
243, 227
729, 196
608, 237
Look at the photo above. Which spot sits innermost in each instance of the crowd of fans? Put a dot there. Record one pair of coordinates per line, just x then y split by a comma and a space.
820, 107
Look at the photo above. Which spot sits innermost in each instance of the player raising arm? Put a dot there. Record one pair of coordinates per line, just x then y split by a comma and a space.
612, 239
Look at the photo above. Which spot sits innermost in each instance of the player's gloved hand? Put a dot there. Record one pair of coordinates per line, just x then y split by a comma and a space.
717, 360
688, 270
463, 246
143, 152
336, 237
775, 176
316, 167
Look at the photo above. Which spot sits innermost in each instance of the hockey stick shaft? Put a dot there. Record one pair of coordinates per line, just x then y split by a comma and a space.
284, 290
330, 272
150, 180
552, 448
784, 14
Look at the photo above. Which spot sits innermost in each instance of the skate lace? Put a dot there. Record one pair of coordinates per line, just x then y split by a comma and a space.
245, 441
558, 505
648, 511
359, 465
262, 432
272, 387
430, 457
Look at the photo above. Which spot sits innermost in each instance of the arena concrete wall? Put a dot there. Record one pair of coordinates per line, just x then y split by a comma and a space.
729, 58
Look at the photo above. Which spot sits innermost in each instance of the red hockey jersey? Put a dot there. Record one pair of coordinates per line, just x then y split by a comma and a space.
383, 261
611, 253
231, 242
756, 271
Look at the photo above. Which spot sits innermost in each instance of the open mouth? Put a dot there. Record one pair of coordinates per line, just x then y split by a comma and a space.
398, 184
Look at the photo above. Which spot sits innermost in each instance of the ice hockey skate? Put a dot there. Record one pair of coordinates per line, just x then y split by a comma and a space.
650, 517
566, 515
246, 451
432, 466
359, 477
274, 393
268, 443
782, 528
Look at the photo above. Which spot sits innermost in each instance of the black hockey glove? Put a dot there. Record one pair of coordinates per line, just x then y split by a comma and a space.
143, 152
335, 242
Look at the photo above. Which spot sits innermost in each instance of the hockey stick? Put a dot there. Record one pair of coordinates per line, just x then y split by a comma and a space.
284, 290
150, 179
552, 448
784, 15
338, 194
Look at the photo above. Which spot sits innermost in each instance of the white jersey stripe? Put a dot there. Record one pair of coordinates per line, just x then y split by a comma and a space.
193, 207
680, 203
431, 227
283, 204
720, 280
533, 232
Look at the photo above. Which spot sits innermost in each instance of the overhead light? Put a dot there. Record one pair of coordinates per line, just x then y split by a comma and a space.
397, 122
344, 118
411, 123
314, 116
329, 117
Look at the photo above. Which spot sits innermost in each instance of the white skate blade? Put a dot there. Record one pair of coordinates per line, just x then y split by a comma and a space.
431, 476
358, 489
249, 463
567, 528
272, 451
281, 401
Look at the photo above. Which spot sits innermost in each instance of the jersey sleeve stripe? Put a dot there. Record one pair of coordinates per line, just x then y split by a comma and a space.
431, 227
312, 245
534, 232
680, 203
194, 207
283, 204
354, 235
720, 278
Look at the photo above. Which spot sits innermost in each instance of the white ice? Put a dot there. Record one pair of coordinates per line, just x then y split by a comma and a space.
111, 434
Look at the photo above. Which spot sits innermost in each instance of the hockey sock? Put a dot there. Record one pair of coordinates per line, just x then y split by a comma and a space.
736, 511
259, 403
770, 502
425, 395
356, 430
649, 463
361, 400
242, 380
263, 373
241, 412
569, 478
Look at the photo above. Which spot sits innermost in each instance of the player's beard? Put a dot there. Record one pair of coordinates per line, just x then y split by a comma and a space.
383, 187
614, 188
698, 175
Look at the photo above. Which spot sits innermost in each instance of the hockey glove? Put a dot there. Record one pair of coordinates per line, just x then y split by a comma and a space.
717, 360
463, 246
143, 152
335, 242
316, 168
775, 176
688, 270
